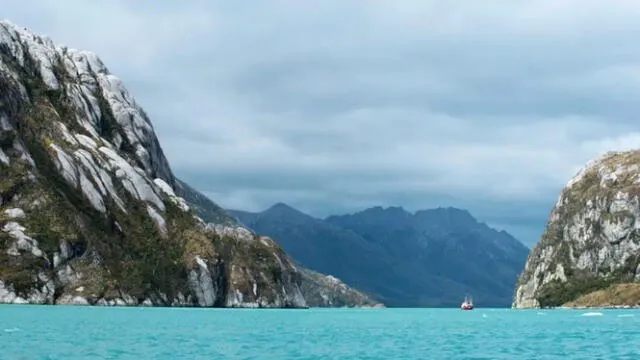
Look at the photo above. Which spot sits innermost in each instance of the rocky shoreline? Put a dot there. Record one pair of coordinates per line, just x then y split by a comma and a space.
68, 300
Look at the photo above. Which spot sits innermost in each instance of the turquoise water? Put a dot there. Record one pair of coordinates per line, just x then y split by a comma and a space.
65, 332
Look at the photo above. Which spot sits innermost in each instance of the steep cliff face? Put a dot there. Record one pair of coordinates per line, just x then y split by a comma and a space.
592, 239
88, 210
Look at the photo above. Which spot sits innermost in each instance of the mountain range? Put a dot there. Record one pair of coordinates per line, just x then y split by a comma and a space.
428, 258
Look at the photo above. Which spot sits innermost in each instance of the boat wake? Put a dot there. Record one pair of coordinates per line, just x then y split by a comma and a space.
11, 330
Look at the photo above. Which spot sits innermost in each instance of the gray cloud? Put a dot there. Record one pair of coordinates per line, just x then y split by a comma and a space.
339, 105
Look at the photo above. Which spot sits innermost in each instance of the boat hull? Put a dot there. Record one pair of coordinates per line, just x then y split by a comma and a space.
467, 304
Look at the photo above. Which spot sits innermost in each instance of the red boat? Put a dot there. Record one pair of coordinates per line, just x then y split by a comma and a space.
467, 304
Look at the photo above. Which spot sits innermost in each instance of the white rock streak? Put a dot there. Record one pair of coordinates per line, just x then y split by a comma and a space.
22, 242
168, 191
134, 182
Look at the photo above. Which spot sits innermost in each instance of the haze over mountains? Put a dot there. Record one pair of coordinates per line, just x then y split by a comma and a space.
427, 258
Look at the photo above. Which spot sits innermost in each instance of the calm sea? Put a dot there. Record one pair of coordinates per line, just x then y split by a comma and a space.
65, 332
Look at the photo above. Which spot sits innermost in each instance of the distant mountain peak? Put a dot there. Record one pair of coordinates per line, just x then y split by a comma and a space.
384, 211
447, 210
281, 208
390, 208
448, 214
395, 209
281, 211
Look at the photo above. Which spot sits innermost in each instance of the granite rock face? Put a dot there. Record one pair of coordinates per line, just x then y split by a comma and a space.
89, 213
592, 238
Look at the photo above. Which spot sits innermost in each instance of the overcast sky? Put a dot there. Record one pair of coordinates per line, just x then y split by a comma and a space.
337, 105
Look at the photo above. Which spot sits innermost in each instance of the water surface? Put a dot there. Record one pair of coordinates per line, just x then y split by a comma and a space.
73, 333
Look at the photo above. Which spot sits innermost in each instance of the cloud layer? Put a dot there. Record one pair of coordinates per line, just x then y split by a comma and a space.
340, 105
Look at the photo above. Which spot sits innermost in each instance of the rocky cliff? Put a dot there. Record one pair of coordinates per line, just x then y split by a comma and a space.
592, 239
88, 206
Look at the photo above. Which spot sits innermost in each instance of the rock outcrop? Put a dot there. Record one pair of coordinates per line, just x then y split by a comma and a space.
321, 290
88, 207
592, 239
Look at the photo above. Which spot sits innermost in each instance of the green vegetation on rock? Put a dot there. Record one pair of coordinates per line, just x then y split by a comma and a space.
617, 295
556, 293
